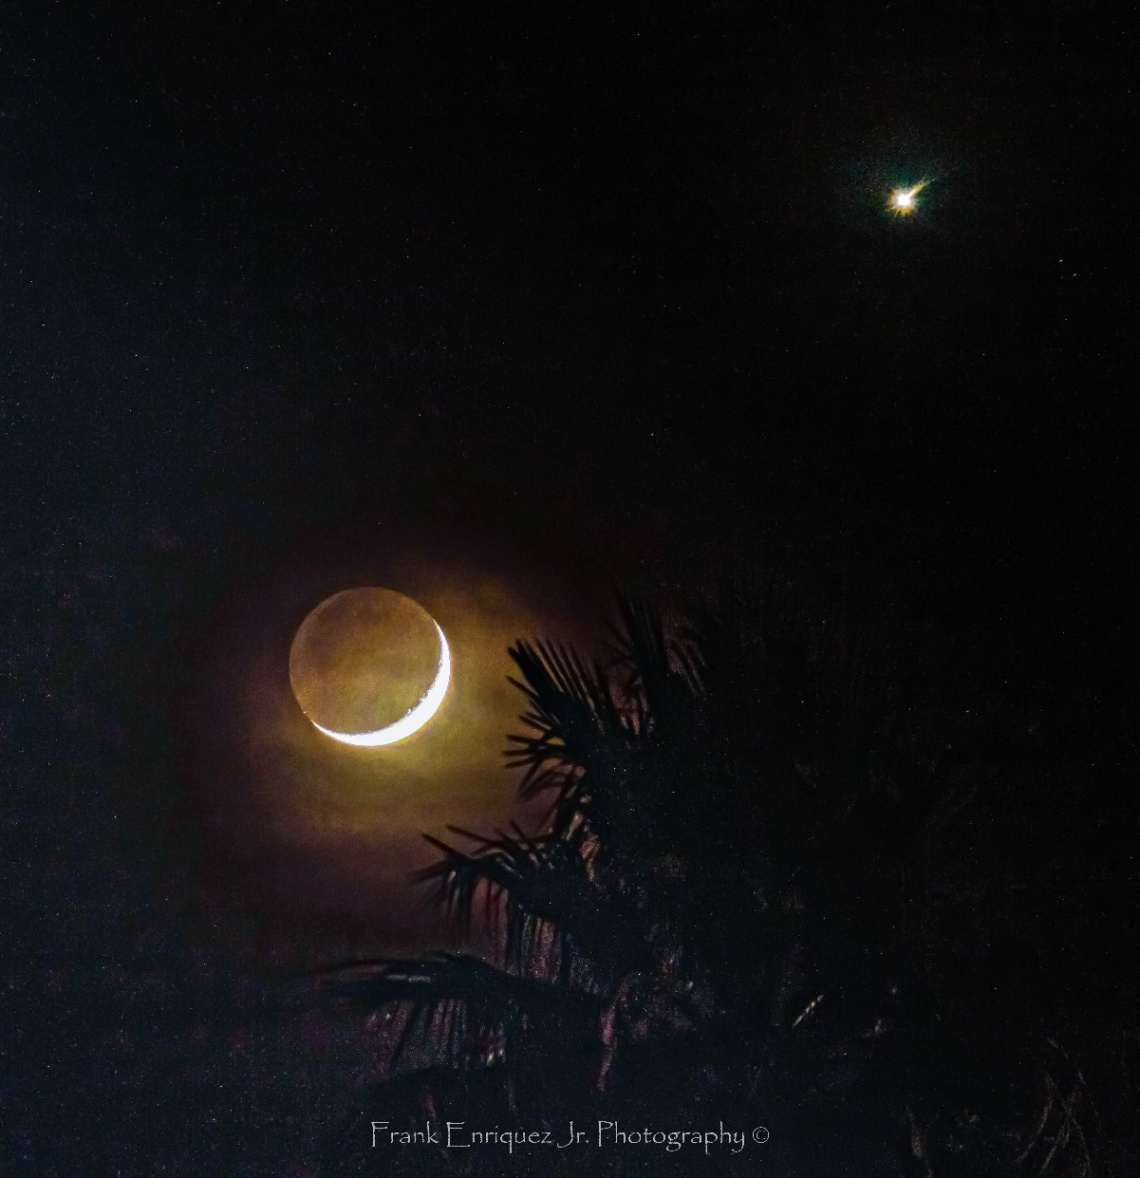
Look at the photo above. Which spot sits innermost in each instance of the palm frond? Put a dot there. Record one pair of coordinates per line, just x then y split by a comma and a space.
659, 675
573, 715
463, 1007
539, 895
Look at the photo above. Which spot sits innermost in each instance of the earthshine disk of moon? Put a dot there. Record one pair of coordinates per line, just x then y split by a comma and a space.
369, 667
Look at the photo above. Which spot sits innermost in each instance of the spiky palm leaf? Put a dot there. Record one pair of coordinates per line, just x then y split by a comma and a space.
539, 893
657, 670
575, 717
587, 746
468, 1011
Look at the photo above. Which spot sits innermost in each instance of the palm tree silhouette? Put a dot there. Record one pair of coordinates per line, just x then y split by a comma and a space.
728, 903
639, 914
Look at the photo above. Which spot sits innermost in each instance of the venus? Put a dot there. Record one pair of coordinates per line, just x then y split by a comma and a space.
369, 667
902, 199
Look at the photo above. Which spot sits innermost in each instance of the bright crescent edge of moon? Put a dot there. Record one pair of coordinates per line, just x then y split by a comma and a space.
414, 719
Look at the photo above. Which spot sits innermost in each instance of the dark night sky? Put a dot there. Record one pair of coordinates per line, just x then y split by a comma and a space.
607, 290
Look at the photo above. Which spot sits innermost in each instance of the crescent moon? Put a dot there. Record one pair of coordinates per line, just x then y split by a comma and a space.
415, 717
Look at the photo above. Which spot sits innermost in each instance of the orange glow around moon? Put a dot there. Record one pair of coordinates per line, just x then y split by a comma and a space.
369, 667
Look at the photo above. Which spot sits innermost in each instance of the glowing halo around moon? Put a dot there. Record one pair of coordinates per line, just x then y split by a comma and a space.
363, 655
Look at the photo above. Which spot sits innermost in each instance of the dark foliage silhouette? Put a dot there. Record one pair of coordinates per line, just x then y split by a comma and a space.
758, 895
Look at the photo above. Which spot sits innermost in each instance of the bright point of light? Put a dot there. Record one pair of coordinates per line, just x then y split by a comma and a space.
415, 718
902, 199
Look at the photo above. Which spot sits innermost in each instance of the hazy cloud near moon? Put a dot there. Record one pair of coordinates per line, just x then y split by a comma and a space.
326, 828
